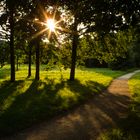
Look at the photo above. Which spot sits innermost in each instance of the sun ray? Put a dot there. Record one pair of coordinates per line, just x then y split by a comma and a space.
49, 34
45, 15
51, 25
64, 30
57, 22
39, 33
54, 15
56, 33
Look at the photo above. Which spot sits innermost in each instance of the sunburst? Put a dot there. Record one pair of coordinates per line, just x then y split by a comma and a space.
50, 25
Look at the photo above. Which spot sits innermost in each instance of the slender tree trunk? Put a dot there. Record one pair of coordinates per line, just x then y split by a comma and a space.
74, 52
17, 62
29, 60
12, 52
37, 59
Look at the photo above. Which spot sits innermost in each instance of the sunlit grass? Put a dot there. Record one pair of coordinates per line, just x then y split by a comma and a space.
4, 73
117, 134
134, 84
27, 101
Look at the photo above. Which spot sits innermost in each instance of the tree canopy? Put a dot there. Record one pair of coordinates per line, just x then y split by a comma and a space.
102, 20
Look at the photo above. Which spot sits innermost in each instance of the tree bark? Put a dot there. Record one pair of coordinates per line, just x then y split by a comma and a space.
17, 62
12, 52
74, 51
37, 75
30, 60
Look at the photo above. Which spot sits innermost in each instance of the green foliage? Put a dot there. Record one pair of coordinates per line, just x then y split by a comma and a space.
4, 52
96, 17
26, 101
113, 48
120, 63
65, 55
135, 50
56, 56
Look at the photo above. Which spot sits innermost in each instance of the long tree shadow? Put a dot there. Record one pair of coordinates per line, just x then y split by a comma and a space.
43, 100
131, 124
85, 91
8, 89
100, 114
4, 73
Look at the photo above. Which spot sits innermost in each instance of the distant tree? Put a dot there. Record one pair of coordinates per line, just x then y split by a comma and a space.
108, 48
23, 40
135, 50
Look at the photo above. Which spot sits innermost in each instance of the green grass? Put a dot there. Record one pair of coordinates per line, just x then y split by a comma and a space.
26, 101
129, 127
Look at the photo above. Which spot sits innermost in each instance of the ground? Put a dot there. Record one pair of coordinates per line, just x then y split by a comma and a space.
88, 121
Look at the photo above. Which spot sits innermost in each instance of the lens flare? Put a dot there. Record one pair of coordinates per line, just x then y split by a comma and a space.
51, 25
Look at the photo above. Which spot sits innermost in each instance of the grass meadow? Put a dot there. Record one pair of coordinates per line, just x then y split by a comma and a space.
26, 101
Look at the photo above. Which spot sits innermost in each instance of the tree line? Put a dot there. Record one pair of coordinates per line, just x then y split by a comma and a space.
94, 23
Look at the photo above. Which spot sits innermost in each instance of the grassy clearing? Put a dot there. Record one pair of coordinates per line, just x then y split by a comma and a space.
129, 127
27, 101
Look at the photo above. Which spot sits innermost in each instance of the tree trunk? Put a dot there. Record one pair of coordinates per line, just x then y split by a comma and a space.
17, 62
12, 52
37, 59
74, 52
29, 60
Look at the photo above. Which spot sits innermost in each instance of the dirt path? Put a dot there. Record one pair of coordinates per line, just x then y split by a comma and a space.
87, 121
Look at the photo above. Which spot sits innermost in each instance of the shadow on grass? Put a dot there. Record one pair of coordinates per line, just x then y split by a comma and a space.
4, 73
93, 118
128, 127
131, 124
7, 89
44, 100
41, 101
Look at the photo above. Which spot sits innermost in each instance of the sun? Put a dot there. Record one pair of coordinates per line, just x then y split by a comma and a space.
51, 25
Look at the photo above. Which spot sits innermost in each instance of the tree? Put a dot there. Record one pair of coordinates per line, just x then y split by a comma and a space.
24, 41
11, 7
101, 17
135, 49
11, 11
78, 11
